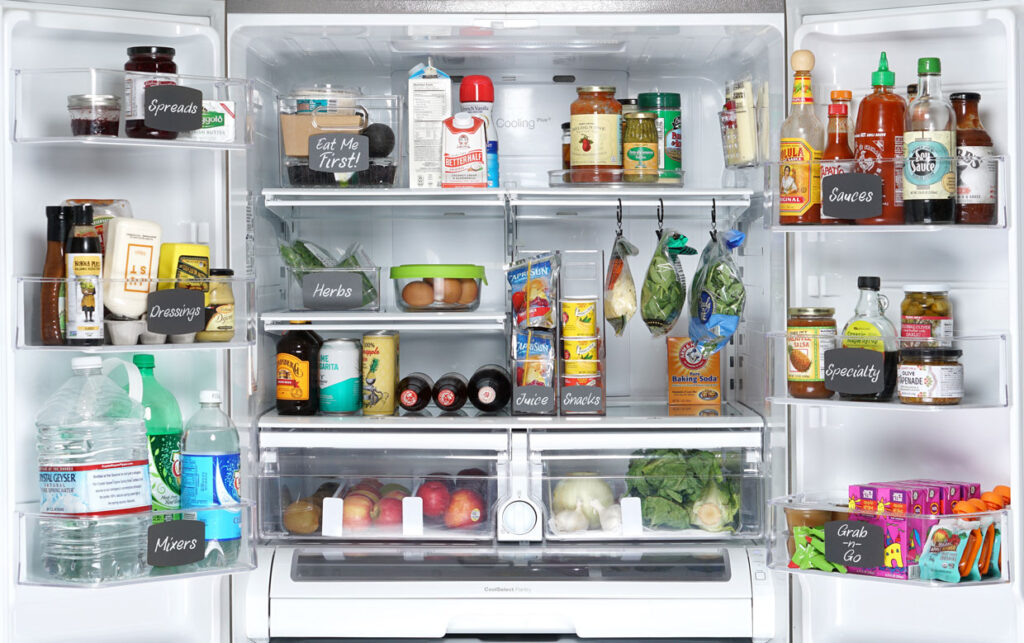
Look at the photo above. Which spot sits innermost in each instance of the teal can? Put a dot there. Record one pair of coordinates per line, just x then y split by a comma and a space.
665, 106
341, 387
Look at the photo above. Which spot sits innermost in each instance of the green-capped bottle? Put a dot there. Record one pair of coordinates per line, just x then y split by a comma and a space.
163, 433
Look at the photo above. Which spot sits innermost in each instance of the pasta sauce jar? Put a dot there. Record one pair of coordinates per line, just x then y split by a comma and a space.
595, 128
930, 376
809, 333
154, 60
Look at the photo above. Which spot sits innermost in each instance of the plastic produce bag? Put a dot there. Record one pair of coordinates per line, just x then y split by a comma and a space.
664, 289
619, 289
717, 295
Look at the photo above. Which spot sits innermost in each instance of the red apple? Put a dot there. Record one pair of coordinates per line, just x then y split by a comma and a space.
435, 498
373, 482
369, 495
466, 509
388, 512
357, 513
386, 490
444, 478
396, 494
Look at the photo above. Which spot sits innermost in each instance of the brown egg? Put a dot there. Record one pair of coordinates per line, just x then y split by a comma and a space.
418, 294
302, 517
452, 290
469, 291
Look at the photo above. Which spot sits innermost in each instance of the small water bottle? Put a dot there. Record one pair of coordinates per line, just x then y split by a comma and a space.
211, 477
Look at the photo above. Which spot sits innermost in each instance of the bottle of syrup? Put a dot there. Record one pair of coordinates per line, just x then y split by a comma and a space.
869, 328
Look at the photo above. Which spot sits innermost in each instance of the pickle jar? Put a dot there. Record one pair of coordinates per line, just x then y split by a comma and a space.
926, 315
932, 376
596, 145
810, 331
640, 148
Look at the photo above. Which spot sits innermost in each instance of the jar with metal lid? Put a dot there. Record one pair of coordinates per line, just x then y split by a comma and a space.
94, 114
566, 145
670, 133
150, 60
926, 315
930, 376
640, 148
629, 106
596, 146
810, 331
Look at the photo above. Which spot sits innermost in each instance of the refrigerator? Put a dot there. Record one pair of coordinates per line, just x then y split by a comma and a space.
518, 574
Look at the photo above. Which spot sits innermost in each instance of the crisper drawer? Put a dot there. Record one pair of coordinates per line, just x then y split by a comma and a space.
373, 485
648, 486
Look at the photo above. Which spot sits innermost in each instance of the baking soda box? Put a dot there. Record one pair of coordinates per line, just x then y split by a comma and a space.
692, 378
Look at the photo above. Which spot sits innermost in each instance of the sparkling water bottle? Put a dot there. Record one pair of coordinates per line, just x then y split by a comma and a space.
94, 473
163, 431
211, 477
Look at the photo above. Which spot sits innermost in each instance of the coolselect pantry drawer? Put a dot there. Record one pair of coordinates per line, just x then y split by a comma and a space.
648, 486
373, 485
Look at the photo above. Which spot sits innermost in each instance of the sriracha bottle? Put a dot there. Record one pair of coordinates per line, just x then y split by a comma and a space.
878, 142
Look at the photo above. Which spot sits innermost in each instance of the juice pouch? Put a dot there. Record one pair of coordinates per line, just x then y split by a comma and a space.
952, 550
533, 291
717, 295
664, 289
619, 289
533, 352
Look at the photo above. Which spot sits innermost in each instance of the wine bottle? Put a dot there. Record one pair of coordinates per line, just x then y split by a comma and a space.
490, 388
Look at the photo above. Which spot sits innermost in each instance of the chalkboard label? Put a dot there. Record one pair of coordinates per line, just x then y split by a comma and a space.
852, 195
855, 371
176, 542
854, 543
533, 400
173, 108
582, 399
176, 311
330, 290
339, 152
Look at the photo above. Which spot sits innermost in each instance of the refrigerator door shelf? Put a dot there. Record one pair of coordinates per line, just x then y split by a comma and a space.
41, 108
511, 590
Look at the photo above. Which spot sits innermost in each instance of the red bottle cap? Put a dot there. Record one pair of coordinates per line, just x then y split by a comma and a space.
837, 109
476, 89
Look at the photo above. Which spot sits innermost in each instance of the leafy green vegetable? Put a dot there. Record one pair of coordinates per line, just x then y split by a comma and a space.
717, 295
683, 488
664, 289
304, 257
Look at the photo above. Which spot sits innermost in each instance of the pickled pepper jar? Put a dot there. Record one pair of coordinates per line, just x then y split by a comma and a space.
640, 148
596, 146
155, 60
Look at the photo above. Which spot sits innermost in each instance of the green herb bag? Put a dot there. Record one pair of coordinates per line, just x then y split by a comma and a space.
664, 289
717, 295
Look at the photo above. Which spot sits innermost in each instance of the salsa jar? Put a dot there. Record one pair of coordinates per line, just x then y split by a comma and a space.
931, 376
926, 315
640, 148
810, 331
596, 146
153, 60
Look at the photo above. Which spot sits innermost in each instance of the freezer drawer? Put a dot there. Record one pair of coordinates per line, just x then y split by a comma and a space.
511, 590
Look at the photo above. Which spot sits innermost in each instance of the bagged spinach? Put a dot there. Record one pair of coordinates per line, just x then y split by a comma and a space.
717, 295
619, 289
664, 289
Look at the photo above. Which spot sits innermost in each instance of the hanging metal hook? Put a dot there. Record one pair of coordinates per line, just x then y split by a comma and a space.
661, 215
714, 220
618, 218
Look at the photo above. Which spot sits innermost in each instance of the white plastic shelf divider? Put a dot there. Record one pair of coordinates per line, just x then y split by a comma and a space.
320, 320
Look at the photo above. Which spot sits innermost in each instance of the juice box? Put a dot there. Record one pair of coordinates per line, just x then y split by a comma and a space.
692, 378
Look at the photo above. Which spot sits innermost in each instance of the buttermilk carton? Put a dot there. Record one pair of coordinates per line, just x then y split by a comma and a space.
463, 152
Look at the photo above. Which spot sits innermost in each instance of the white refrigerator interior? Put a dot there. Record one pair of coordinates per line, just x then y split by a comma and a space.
518, 574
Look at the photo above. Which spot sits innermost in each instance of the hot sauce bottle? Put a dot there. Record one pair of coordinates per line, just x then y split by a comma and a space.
800, 150
878, 142
837, 157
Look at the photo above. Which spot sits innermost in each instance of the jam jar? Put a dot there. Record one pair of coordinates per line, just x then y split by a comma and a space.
595, 126
149, 59
94, 114
810, 331
930, 376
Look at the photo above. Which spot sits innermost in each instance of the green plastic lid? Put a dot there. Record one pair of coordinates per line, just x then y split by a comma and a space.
439, 270
883, 77
659, 100
929, 66
143, 360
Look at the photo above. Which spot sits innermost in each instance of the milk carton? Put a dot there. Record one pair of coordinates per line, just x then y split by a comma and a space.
430, 102
464, 152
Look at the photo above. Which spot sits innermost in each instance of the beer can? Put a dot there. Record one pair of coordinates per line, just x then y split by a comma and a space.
380, 372
340, 377
579, 316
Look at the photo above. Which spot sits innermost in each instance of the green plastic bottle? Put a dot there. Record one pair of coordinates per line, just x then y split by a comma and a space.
163, 433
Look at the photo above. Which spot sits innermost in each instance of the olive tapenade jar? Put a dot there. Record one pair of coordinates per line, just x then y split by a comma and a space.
640, 148
809, 333
930, 376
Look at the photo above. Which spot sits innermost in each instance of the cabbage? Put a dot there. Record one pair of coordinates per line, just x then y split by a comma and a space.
716, 508
594, 494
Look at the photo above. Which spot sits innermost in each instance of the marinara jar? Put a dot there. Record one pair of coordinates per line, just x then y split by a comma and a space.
595, 127
809, 333
155, 60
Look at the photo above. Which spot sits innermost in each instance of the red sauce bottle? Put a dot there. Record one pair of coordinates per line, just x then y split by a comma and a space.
156, 60
976, 169
837, 157
878, 139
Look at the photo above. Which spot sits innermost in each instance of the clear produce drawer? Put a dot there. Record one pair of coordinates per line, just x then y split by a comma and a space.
381, 486
649, 486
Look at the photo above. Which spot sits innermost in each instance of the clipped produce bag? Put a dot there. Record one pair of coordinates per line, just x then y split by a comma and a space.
619, 289
717, 295
664, 289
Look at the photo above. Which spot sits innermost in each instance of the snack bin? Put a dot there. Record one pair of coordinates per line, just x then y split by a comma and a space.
581, 328
438, 287
323, 109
